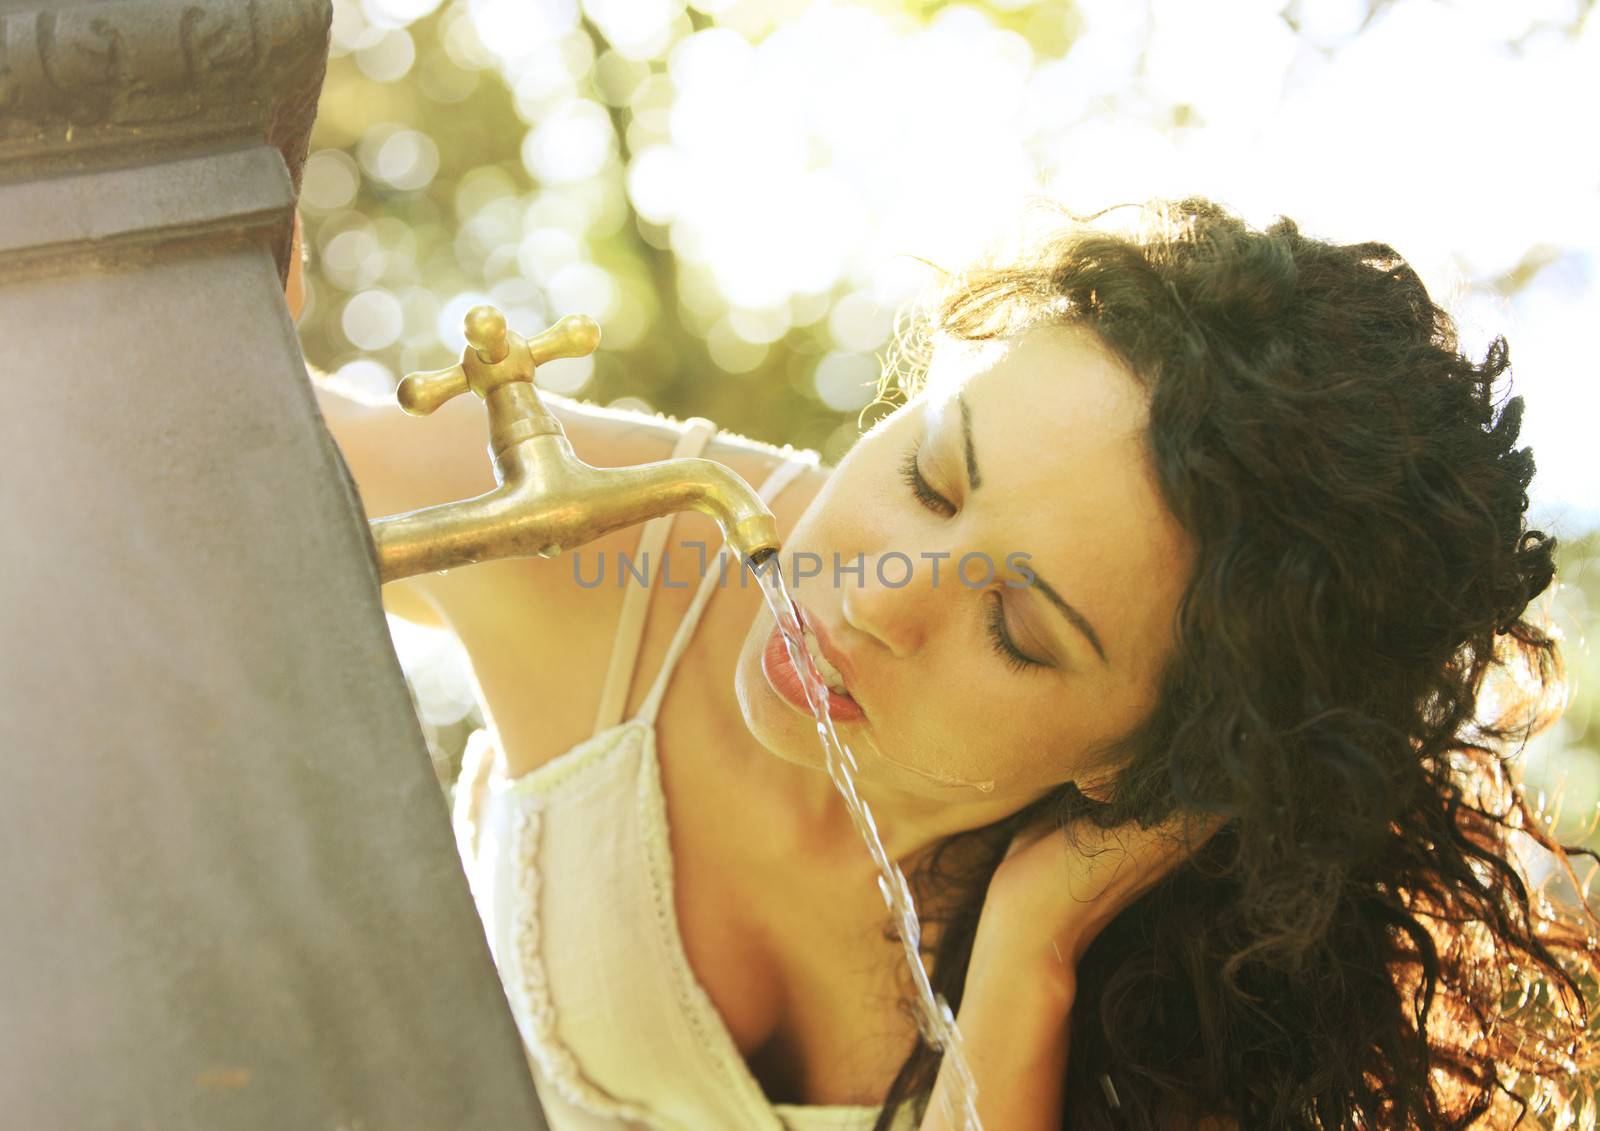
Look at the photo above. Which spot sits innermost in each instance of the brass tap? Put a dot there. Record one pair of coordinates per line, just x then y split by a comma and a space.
547, 499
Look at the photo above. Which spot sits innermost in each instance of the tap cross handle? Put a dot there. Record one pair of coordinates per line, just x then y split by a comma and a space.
486, 333
496, 356
576, 335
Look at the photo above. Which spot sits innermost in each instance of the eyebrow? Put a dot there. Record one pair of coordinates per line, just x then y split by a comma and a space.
1077, 619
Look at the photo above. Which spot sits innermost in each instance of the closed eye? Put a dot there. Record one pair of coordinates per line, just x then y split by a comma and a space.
925, 494
1013, 656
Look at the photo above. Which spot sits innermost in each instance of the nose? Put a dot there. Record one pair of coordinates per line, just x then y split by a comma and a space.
894, 600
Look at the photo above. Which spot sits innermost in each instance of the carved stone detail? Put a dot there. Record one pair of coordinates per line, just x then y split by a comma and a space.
85, 74
109, 83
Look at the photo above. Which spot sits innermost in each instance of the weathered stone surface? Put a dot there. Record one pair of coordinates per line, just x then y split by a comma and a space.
231, 897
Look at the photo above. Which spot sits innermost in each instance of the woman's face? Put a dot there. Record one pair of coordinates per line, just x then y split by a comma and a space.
1032, 450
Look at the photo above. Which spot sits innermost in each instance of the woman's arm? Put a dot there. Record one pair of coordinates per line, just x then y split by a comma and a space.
1014, 1029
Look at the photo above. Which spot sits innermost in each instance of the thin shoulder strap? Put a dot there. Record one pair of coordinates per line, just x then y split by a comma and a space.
793, 464
630, 629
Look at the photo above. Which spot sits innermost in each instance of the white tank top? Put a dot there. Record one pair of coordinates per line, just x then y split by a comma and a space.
571, 869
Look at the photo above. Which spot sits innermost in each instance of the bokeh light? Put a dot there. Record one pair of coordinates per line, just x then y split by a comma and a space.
744, 192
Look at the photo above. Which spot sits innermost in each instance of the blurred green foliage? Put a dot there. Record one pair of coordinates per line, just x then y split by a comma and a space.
530, 153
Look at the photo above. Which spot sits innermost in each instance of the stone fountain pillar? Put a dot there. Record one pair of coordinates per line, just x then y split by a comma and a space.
229, 894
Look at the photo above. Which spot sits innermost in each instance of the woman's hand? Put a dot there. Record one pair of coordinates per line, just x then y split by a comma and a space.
1050, 896
1054, 892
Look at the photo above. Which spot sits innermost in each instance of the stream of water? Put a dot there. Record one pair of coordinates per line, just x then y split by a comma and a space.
934, 1018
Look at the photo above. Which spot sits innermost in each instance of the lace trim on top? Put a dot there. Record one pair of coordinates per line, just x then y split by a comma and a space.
555, 1059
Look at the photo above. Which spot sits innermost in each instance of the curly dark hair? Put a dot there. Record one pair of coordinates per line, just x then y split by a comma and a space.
1359, 946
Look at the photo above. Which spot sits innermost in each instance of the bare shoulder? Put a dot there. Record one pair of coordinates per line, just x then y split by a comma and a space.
539, 638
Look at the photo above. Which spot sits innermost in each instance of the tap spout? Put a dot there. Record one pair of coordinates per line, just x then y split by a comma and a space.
548, 500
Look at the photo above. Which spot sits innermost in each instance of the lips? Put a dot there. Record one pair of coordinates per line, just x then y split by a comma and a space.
787, 682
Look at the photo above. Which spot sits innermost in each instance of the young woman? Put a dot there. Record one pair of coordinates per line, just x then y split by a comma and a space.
1187, 762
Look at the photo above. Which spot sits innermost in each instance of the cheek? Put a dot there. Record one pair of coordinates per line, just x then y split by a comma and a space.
968, 721
959, 721
857, 510
829, 530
